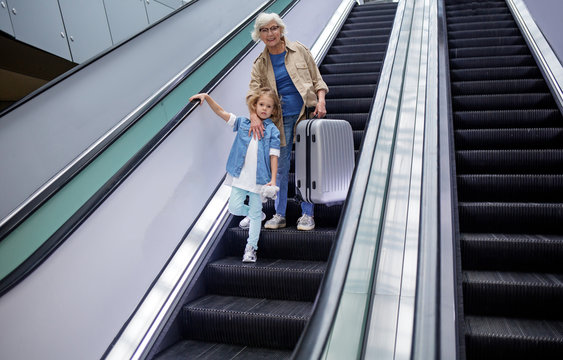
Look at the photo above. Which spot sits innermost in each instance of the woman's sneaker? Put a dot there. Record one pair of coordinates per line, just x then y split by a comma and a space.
249, 254
305, 222
276, 222
245, 223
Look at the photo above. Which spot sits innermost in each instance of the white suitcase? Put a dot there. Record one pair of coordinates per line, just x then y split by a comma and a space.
324, 160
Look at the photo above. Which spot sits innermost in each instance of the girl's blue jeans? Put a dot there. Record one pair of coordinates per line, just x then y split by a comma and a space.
283, 169
253, 210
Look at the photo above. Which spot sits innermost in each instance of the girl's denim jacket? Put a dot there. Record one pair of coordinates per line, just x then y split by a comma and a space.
271, 140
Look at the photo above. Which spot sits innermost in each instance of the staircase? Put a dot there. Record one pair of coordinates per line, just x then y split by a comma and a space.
508, 135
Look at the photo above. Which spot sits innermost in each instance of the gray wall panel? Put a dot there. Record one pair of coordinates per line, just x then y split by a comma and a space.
5, 22
87, 27
39, 23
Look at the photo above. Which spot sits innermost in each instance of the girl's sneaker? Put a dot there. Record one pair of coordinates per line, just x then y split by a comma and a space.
275, 222
249, 254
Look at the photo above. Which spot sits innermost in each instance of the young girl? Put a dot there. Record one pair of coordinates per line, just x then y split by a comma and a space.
252, 164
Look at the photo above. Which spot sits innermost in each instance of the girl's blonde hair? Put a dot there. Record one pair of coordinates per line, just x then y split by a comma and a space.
252, 100
264, 19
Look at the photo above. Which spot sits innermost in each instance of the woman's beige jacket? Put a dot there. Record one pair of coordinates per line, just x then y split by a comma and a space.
302, 70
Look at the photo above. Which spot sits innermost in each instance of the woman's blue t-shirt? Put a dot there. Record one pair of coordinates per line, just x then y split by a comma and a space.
291, 100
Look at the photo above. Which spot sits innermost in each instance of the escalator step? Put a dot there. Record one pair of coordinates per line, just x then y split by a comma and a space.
359, 40
514, 218
489, 51
512, 252
297, 280
247, 321
347, 49
350, 68
486, 42
384, 24
507, 118
499, 87
353, 57
464, 19
349, 105
355, 79
286, 243
351, 91
497, 139
545, 161
190, 349
510, 188
499, 73
473, 11
492, 61
363, 32
504, 24
513, 294
483, 33
506, 338
504, 101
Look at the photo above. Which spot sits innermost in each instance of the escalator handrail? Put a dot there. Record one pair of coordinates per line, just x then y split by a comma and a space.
316, 334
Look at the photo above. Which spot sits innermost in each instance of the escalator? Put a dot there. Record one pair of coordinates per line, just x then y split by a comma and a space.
260, 310
508, 135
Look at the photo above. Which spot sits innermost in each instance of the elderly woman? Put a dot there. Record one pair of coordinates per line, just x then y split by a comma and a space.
288, 67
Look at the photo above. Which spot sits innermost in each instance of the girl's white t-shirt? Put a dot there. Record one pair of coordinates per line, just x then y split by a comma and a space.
247, 177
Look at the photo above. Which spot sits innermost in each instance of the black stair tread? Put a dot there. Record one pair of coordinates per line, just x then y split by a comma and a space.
348, 79
354, 57
489, 51
530, 161
366, 39
464, 19
255, 322
347, 49
510, 217
191, 349
507, 86
513, 294
512, 252
285, 243
492, 62
507, 278
510, 187
486, 41
521, 138
484, 33
497, 73
452, 28
358, 26
298, 310
272, 265
504, 101
514, 328
507, 118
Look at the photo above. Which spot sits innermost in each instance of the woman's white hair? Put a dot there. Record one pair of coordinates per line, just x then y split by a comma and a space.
262, 20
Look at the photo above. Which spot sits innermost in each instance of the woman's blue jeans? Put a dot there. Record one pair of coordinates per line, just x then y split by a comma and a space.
283, 169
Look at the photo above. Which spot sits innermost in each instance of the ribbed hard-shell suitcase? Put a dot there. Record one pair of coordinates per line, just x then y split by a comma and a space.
324, 160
